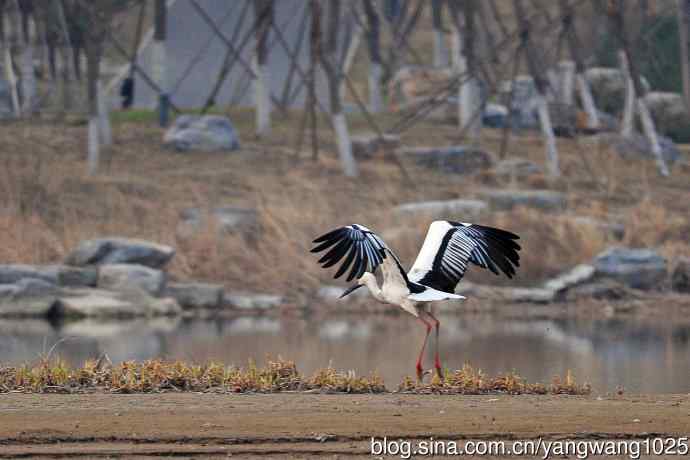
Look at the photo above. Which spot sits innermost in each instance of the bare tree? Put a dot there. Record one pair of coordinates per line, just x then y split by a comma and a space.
636, 90
683, 12
8, 30
440, 48
25, 17
159, 59
262, 89
375, 65
537, 73
331, 66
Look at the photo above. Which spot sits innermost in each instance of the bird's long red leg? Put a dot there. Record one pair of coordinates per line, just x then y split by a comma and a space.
437, 359
420, 370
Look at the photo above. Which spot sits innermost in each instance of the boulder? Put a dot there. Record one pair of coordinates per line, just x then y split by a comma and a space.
120, 250
85, 302
518, 167
503, 200
495, 115
458, 159
608, 87
252, 301
228, 219
28, 297
635, 268
669, 114
61, 275
577, 275
637, 146
604, 289
123, 277
206, 133
196, 295
447, 209
367, 145
680, 279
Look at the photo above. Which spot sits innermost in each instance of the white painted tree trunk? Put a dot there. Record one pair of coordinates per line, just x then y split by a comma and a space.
105, 132
629, 105
262, 101
650, 133
587, 102
470, 109
93, 145
566, 69
457, 60
375, 96
11, 78
440, 49
552, 166
344, 145
28, 76
159, 67
350, 57
554, 85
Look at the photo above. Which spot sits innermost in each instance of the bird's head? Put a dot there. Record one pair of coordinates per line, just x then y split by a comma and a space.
362, 281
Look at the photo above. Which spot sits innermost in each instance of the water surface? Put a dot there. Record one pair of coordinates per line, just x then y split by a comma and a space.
638, 356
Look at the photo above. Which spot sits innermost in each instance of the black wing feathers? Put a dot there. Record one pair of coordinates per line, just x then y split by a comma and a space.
357, 245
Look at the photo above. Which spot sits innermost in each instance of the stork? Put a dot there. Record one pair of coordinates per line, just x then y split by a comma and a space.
440, 265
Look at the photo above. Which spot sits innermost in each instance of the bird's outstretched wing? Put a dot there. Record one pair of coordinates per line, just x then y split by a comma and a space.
450, 246
360, 247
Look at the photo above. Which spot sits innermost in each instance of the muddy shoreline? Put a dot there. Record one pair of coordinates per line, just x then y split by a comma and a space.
311, 426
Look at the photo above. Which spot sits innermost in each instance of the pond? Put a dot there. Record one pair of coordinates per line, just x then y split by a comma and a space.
640, 356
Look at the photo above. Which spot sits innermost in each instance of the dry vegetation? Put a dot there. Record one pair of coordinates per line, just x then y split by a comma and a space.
156, 376
49, 204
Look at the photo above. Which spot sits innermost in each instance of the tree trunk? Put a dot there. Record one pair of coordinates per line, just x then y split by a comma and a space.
9, 39
352, 48
262, 95
440, 48
567, 82
105, 132
683, 32
66, 57
375, 67
552, 161
329, 62
629, 104
93, 73
159, 60
587, 101
27, 62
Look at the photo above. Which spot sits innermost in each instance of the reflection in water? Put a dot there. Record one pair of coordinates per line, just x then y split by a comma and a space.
641, 357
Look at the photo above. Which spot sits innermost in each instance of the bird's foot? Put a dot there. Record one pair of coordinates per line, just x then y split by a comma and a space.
439, 372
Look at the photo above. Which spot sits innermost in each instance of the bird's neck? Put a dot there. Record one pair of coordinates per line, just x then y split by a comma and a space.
372, 285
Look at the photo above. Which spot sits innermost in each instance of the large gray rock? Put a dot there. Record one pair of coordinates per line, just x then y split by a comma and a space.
604, 289
448, 209
608, 87
207, 133
503, 200
252, 301
29, 297
636, 268
637, 146
123, 277
367, 145
196, 295
518, 167
680, 279
81, 303
120, 250
228, 219
61, 275
458, 159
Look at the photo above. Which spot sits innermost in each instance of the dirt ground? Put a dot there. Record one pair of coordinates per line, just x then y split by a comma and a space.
193, 425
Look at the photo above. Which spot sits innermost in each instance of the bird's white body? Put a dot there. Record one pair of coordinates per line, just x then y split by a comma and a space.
441, 263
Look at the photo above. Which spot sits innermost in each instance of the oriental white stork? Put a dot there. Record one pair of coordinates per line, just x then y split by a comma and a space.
441, 263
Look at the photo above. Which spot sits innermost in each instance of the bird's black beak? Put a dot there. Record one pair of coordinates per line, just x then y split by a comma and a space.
351, 289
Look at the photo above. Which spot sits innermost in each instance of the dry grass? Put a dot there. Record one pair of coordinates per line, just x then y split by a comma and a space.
156, 376
471, 381
50, 204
